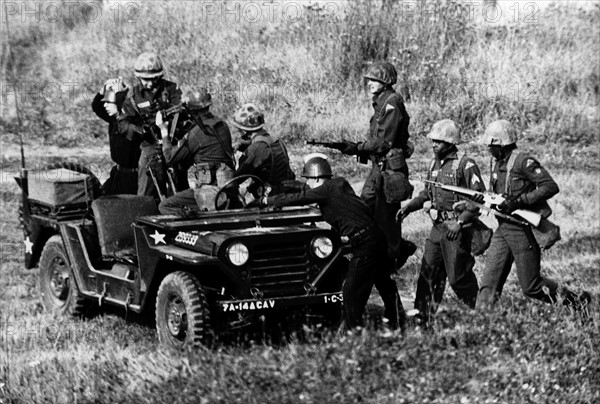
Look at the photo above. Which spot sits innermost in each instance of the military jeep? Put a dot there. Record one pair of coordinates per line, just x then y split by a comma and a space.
203, 275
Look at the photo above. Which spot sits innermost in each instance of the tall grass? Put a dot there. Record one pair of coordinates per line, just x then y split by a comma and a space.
306, 71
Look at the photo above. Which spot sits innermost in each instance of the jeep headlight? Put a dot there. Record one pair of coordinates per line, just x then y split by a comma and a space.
238, 254
322, 247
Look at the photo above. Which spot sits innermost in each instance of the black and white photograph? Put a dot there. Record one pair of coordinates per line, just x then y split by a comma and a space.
300, 201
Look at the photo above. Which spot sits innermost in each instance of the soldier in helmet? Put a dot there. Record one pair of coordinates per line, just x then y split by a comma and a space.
448, 247
263, 155
205, 151
351, 217
387, 147
151, 94
525, 185
124, 149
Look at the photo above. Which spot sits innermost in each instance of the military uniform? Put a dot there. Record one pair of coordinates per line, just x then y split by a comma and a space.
208, 158
531, 185
444, 258
388, 130
267, 158
124, 151
349, 216
142, 102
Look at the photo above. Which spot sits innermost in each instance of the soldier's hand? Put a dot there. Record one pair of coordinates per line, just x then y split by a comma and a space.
401, 214
509, 205
477, 198
453, 229
349, 148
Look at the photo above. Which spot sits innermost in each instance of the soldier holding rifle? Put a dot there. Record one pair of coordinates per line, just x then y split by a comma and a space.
448, 247
152, 94
525, 184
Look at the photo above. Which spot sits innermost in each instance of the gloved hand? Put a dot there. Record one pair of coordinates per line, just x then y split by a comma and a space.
477, 198
111, 84
349, 148
509, 205
453, 229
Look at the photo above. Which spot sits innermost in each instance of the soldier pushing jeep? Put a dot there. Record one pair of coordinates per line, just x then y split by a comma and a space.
349, 216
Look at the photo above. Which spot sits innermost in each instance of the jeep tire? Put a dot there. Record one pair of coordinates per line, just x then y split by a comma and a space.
59, 291
182, 314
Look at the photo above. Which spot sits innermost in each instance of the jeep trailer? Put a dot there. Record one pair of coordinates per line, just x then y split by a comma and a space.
203, 275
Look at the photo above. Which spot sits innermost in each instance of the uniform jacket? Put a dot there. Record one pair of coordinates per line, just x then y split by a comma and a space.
124, 150
200, 147
388, 126
451, 171
267, 158
340, 206
529, 182
140, 102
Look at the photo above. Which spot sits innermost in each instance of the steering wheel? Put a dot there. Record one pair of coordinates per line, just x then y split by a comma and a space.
222, 200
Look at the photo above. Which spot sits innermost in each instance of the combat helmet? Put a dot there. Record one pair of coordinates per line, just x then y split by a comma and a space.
445, 130
499, 133
148, 66
316, 166
249, 118
199, 99
384, 72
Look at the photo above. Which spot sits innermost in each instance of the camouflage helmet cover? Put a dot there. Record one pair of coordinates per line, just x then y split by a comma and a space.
200, 98
248, 117
148, 66
384, 72
499, 133
445, 130
316, 166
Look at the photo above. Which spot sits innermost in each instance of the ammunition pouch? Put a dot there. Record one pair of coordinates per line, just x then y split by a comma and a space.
546, 234
396, 186
480, 235
395, 160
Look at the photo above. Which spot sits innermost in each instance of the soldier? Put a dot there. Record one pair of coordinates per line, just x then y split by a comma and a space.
205, 152
526, 185
351, 217
263, 155
151, 94
387, 185
124, 149
448, 247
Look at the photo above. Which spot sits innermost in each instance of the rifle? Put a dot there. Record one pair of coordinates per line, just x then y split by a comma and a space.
332, 145
491, 199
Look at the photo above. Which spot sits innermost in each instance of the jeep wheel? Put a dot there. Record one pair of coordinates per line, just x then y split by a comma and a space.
60, 294
182, 315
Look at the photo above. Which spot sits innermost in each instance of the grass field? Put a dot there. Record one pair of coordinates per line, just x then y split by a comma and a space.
539, 70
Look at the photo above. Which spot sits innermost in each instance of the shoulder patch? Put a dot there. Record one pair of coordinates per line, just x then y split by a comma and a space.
469, 165
389, 107
538, 171
529, 162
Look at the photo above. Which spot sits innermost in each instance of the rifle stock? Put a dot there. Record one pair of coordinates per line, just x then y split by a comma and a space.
489, 198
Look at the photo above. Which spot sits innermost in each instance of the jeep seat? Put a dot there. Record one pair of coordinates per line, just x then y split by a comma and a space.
114, 216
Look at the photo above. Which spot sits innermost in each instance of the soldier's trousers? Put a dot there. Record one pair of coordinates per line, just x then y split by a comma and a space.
444, 259
385, 213
368, 267
514, 243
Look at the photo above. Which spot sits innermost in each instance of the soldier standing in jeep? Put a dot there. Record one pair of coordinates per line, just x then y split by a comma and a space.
151, 94
124, 150
349, 216
265, 156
